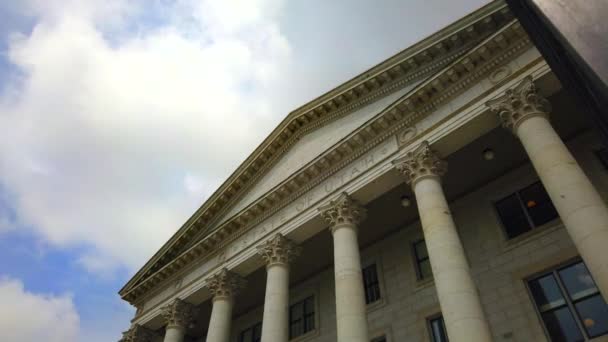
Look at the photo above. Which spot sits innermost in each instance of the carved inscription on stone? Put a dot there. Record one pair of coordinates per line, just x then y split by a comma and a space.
319, 192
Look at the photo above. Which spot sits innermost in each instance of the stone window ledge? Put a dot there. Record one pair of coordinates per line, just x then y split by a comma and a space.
532, 235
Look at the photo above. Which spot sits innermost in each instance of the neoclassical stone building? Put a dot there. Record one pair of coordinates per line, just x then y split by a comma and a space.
453, 191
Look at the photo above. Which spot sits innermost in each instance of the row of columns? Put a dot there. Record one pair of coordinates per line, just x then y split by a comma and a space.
521, 110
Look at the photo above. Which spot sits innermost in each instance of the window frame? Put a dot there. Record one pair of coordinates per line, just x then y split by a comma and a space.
533, 227
303, 300
381, 333
429, 326
377, 283
367, 259
601, 154
418, 261
381, 338
252, 328
570, 302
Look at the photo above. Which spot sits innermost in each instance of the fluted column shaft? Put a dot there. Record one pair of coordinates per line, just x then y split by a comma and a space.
224, 285
458, 297
278, 252
343, 215
578, 203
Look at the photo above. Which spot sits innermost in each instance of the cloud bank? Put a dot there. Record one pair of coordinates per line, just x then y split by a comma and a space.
118, 118
30, 317
112, 134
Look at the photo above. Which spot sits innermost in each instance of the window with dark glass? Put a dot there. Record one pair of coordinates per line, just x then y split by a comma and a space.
251, 334
302, 317
423, 264
602, 155
570, 304
371, 284
437, 329
525, 210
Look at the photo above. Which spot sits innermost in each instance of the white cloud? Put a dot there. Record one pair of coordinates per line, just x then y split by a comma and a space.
30, 317
111, 144
193, 184
126, 115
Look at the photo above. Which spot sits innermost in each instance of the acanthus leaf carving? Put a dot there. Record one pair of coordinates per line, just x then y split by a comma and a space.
343, 210
139, 333
225, 284
420, 163
179, 313
519, 103
279, 250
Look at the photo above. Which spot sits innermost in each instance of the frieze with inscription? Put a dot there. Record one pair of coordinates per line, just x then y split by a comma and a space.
327, 187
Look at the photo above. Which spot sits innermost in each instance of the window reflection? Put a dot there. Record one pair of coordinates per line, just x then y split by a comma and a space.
570, 304
525, 210
437, 327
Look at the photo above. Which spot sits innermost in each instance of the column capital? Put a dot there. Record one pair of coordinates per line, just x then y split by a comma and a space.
225, 284
178, 313
279, 250
421, 163
138, 333
343, 210
518, 104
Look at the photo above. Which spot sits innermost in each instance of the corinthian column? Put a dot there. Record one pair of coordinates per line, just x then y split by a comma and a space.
138, 333
523, 111
344, 215
224, 285
278, 252
178, 315
458, 297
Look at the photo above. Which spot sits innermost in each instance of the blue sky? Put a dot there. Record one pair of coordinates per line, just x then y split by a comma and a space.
118, 118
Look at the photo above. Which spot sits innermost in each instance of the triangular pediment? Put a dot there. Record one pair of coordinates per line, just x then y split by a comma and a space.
296, 151
312, 145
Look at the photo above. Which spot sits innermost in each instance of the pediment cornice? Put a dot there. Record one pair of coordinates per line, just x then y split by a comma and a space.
447, 51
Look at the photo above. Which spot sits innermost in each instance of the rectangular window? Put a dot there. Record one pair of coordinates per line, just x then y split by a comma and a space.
371, 284
602, 155
251, 334
423, 264
525, 210
437, 329
569, 303
302, 317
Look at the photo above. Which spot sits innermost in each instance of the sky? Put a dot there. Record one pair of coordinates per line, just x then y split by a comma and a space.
118, 118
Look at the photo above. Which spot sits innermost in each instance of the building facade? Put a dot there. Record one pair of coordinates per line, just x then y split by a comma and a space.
452, 191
